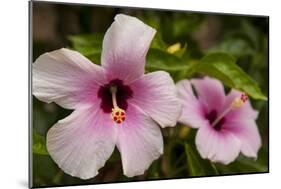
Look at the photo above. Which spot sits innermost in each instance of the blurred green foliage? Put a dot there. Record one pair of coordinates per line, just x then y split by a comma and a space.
231, 48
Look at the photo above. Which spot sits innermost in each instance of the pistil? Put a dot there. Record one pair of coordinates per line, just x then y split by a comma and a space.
118, 114
236, 103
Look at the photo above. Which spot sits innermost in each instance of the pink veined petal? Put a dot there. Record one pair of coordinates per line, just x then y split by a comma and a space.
81, 143
210, 92
222, 146
244, 112
140, 141
192, 110
247, 132
156, 94
67, 78
125, 45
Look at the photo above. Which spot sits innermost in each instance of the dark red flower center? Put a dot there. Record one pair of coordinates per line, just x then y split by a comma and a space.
123, 93
212, 116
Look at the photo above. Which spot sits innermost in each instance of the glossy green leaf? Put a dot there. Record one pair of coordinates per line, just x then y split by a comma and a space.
87, 44
250, 164
39, 144
236, 46
222, 66
158, 43
161, 60
86, 39
243, 165
95, 57
196, 165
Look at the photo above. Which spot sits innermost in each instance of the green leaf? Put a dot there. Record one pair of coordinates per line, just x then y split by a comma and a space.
161, 60
39, 144
243, 165
86, 39
87, 44
222, 66
236, 46
158, 43
90, 45
196, 165
181, 51
95, 57
250, 164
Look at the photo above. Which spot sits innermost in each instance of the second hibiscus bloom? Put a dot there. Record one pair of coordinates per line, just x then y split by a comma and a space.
226, 123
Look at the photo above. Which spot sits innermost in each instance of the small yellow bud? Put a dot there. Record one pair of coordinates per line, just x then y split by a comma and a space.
174, 48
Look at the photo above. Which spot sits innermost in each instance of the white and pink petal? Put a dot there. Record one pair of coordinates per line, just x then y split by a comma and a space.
210, 93
140, 141
125, 45
81, 143
67, 78
193, 113
156, 94
222, 147
248, 133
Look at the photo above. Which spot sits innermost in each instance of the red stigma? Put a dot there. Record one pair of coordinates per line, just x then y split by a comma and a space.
118, 115
244, 97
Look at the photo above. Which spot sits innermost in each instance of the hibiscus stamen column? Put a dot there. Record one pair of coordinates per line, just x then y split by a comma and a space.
236, 103
118, 114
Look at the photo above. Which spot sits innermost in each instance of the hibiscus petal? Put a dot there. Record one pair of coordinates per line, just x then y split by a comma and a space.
156, 94
210, 92
247, 132
67, 78
125, 45
82, 142
222, 146
244, 112
140, 141
192, 110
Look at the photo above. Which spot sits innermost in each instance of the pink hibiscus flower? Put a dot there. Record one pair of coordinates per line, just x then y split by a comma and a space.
226, 123
114, 104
